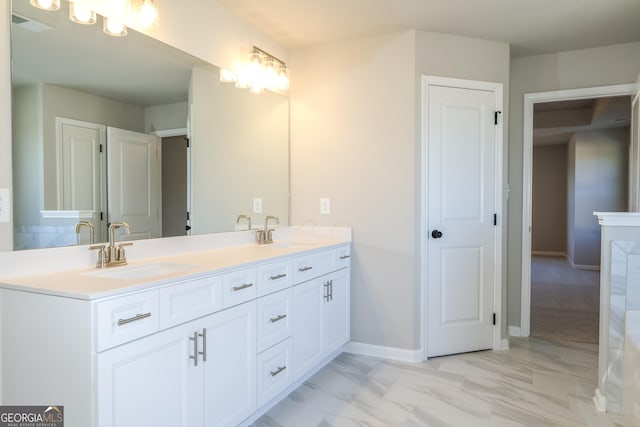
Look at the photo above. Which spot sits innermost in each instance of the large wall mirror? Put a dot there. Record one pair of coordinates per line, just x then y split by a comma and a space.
101, 127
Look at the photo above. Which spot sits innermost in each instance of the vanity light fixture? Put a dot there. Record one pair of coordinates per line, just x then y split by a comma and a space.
262, 71
148, 14
46, 4
114, 27
81, 14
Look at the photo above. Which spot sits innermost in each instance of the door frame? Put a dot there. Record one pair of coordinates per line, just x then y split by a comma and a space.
497, 89
527, 180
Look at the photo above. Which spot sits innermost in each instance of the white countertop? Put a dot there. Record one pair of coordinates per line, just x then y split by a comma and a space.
86, 283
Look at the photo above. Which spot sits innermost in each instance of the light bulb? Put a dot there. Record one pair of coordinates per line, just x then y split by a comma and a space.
114, 27
283, 78
148, 14
243, 77
81, 14
227, 76
270, 76
46, 4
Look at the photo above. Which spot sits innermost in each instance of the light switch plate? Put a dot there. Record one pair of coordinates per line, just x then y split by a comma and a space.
5, 205
325, 206
257, 205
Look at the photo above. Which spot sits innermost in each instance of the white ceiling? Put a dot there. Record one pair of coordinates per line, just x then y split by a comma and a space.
529, 26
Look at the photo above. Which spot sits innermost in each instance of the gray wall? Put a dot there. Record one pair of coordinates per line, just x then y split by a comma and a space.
6, 229
167, 116
610, 65
549, 223
600, 166
356, 138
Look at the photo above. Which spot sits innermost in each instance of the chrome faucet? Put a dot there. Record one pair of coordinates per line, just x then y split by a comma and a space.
112, 255
265, 237
247, 217
89, 225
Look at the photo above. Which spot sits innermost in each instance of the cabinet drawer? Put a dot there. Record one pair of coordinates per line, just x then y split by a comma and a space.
275, 372
275, 321
238, 286
309, 266
127, 318
343, 257
189, 300
274, 277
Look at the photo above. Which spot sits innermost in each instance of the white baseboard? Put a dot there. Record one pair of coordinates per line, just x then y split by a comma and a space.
402, 355
515, 331
584, 266
600, 401
504, 344
549, 253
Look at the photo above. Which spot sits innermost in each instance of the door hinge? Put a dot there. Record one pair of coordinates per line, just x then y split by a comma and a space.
494, 319
495, 117
101, 216
101, 148
188, 215
188, 142
495, 219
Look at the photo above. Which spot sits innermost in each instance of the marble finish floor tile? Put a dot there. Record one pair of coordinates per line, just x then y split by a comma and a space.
536, 383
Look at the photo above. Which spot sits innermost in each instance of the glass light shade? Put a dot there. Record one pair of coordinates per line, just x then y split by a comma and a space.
255, 65
46, 4
227, 76
81, 14
148, 14
269, 73
113, 27
283, 78
257, 86
243, 77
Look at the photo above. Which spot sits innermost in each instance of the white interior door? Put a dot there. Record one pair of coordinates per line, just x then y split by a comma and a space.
134, 182
461, 203
81, 168
634, 156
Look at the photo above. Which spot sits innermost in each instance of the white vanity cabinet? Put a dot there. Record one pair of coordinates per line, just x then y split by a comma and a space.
214, 350
321, 313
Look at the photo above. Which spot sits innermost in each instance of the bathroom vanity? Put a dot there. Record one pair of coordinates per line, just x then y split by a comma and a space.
204, 338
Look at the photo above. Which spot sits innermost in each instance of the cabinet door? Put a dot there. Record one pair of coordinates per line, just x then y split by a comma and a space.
150, 382
308, 301
336, 321
230, 365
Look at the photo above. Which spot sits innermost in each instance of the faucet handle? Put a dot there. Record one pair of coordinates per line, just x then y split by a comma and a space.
260, 237
102, 255
120, 254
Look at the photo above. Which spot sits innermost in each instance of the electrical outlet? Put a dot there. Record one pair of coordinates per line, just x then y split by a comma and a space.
5, 205
257, 205
325, 206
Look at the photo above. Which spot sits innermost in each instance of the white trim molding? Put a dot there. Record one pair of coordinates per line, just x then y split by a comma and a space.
167, 133
621, 219
382, 352
66, 214
514, 331
527, 180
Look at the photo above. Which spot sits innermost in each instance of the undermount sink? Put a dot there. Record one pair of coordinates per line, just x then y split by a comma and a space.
292, 244
141, 271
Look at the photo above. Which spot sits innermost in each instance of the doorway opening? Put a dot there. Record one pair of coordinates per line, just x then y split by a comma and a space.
576, 161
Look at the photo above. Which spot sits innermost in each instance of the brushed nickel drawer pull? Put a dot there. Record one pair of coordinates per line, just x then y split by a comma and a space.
245, 286
278, 276
277, 371
305, 268
194, 338
279, 318
133, 319
345, 256
204, 344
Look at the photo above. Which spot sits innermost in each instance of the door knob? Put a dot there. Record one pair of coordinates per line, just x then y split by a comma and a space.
436, 234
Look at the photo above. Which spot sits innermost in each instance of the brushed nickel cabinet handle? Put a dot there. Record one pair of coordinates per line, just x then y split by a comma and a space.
194, 338
330, 283
245, 286
204, 344
278, 276
277, 371
325, 293
345, 256
133, 319
305, 268
277, 319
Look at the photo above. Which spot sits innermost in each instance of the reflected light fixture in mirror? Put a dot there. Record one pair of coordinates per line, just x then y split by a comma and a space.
81, 14
117, 13
262, 71
46, 4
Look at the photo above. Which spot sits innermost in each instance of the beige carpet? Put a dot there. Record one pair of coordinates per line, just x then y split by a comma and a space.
564, 301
